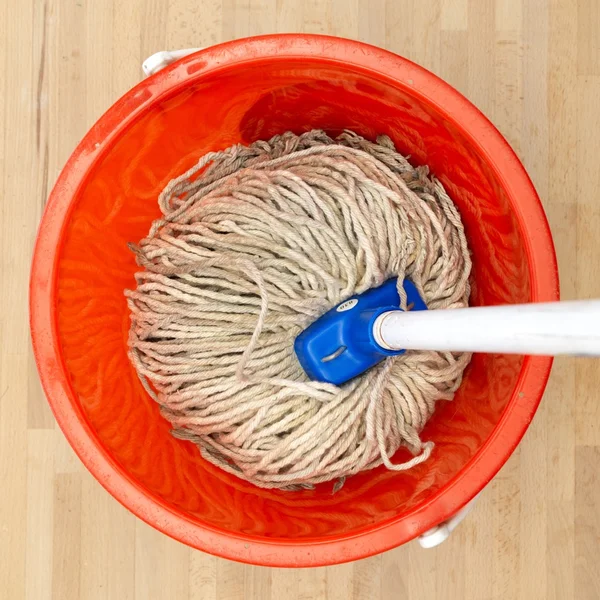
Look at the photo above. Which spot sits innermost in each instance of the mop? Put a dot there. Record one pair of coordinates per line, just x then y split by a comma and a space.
235, 318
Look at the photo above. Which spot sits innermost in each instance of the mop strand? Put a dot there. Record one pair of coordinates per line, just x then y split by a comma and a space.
255, 244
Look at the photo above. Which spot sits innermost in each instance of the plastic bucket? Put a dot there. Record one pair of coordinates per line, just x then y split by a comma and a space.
106, 196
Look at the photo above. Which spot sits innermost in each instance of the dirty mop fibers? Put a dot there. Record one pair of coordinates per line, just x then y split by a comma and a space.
255, 244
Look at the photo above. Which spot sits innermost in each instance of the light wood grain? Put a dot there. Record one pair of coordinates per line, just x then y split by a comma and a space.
533, 66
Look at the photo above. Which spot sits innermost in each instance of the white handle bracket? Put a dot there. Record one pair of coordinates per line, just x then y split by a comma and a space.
159, 60
440, 533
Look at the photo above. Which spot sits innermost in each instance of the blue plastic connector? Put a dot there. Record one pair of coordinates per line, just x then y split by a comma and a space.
340, 345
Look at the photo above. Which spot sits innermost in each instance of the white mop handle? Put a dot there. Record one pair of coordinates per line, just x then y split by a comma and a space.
545, 328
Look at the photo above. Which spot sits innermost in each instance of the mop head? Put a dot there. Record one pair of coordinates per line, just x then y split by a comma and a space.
257, 242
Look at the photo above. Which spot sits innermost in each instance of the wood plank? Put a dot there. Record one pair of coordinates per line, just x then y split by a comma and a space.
66, 539
587, 266
162, 565
587, 522
108, 546
588, 43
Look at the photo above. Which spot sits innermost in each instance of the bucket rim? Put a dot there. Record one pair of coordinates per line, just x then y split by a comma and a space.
383, 65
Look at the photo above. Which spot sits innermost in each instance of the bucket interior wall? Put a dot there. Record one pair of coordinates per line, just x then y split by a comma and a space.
117, 204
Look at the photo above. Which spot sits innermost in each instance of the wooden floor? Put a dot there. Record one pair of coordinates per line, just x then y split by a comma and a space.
533, 67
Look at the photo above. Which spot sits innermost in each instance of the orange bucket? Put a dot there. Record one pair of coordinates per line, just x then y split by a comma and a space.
106, 196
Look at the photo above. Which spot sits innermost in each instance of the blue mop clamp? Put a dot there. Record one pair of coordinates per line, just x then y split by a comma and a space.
340, 345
